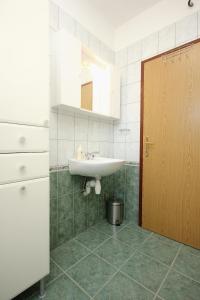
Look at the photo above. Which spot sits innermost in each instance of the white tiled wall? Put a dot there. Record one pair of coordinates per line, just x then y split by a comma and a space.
69, 130
127, 130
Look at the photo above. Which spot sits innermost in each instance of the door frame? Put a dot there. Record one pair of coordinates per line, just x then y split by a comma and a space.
142, 115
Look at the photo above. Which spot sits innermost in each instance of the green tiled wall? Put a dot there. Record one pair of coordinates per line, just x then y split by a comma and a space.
71, 212
126, 188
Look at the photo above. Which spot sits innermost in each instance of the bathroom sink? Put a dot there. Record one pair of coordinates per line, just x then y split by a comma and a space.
96, 167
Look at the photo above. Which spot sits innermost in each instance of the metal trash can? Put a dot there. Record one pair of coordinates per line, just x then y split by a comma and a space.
115, 212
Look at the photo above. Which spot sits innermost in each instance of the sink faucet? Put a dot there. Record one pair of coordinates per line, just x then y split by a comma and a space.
91, 155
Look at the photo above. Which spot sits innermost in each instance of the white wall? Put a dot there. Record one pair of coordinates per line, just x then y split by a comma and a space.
91, 19
153, 19
126, 131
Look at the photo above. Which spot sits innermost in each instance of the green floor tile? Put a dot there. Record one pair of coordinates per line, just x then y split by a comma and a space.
188, 264
91, 273
166, 240
91, 238
115, 252
63, 289
145, 270
159, 250
123, 288
54, 272
68, 254
107, 228
147, 267
178, 287
135, 226
190, 250
132, 237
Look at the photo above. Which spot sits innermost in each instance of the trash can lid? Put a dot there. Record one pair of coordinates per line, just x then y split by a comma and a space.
116, 202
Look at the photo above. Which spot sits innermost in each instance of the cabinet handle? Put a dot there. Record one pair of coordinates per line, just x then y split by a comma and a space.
22, 168
23, 188
22, 139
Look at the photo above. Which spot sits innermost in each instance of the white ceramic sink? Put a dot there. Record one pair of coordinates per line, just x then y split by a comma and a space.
96, 167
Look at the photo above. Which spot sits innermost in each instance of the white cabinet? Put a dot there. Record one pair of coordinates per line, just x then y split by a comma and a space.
24, 61
24, 145
72, 66
106, 92
115, 93
24, 235
66, 71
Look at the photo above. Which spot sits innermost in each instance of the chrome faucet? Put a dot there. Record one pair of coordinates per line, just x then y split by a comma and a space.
91, 155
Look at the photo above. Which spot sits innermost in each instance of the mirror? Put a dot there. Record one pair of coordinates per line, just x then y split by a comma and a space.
95, 84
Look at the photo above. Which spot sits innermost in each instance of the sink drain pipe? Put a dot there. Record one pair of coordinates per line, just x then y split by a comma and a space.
94, 183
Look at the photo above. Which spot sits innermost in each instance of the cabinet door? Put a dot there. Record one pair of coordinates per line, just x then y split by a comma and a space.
24, 61
24, 235
115, 92
22, 138
23, 166
68, 60
66, 71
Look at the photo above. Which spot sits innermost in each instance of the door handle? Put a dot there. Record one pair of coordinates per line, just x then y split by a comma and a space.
147, 143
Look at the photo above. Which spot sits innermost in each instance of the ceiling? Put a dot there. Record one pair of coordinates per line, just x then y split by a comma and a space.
117, 12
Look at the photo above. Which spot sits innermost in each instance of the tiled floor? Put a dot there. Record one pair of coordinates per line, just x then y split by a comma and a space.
123, 263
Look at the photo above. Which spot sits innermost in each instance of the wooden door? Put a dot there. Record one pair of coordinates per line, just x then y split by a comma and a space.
170, 140
87, 96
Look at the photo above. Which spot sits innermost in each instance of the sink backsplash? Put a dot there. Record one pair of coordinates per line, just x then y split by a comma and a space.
72, 213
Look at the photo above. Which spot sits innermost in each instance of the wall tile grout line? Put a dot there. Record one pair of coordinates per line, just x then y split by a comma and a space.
170, 268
